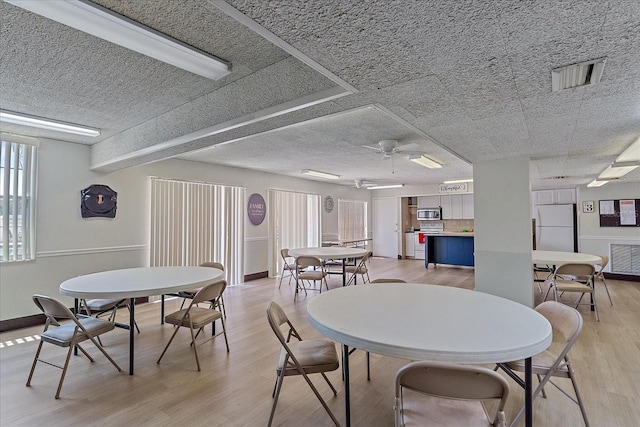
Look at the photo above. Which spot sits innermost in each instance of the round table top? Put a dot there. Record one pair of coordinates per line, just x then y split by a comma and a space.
139, 282
560, 257
429, 322
329, 252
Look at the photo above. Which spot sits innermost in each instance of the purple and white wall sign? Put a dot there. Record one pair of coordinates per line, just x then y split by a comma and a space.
256, 209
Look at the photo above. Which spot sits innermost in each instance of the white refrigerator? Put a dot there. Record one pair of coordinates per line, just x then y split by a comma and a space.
556, 228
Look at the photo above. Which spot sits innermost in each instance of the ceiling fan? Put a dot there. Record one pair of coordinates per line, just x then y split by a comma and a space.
388, 147
361, 183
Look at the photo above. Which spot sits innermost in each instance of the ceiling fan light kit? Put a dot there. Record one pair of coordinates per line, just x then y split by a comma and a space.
319, 174
425, 161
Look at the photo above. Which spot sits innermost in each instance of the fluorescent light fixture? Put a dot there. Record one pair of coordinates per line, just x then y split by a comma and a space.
382, 187
596, 183
42, 123
423, 160
457, 181
617, 172
101, 22
631, 154
318, 174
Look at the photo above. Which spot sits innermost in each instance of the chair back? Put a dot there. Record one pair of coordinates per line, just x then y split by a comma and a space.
388, 281
564, 319
603, 264
213, 265
582, 272
52, 308
209, 292
452, 381
277, 317
284, 253
308, 261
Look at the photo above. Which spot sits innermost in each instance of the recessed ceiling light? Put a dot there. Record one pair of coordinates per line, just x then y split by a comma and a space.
382, 187
42, 123
576, 75
457, 181
425, 161
319, 174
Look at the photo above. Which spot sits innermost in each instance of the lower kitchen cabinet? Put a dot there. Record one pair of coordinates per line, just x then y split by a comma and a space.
453, 250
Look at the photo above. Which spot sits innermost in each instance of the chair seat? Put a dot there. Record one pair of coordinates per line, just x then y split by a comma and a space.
104, 304
200, 317
313, 355
540, 364
357, 270
63, 335
570, 286
188, 294
312, 275
420, 410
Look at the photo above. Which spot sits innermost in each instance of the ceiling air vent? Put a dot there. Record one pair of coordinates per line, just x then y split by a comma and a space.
576, 75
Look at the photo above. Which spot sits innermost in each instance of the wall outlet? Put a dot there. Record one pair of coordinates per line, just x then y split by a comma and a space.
587, 206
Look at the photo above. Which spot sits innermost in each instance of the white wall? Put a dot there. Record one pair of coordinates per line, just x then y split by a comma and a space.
68, 245
594, 239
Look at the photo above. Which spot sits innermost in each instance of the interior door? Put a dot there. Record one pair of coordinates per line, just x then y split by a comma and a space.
385, 227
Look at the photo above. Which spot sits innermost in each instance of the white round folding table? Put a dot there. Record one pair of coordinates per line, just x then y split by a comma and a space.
331, 252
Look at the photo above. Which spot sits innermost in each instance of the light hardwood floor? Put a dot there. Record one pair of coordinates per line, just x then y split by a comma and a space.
234, 389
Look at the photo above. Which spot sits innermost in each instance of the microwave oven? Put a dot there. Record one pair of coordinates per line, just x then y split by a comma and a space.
429, 214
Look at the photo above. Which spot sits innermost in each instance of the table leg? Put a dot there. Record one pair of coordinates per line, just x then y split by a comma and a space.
344, 272
345, 373
162, 310
76, 311
132, 324
528, 401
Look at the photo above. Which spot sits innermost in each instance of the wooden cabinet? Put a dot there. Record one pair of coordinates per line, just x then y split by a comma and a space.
428, 201
467, 206
409, 245
561, 196
457, 206
452, 250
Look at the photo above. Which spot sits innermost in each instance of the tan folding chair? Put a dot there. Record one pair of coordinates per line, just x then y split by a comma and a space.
300, 357
388, 281
360, 269
288, 265
196, 318
309, 268
600, 275
189, 294
99, 307
574, 278
566, 323
68, 335
446, 394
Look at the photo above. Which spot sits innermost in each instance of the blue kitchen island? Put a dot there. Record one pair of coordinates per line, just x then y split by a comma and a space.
449, 248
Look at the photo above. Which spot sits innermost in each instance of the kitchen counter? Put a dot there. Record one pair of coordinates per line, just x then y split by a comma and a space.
453, 248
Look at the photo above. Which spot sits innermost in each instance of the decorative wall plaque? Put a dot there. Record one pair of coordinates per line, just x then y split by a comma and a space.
98, 201
256, 209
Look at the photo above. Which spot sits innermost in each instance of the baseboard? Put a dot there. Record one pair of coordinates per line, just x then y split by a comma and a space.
256, 276
625, 277
22, 322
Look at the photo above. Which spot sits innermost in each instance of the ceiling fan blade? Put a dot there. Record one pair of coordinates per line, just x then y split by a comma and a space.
370, 147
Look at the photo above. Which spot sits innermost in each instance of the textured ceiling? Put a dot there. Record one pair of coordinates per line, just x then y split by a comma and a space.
312, 82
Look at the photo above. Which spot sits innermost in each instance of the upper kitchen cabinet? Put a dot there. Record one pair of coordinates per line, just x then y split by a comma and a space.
561, 196
457, 206
467, 206
428, 201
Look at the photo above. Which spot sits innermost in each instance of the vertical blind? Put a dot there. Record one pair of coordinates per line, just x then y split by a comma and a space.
18, 165
352, 219
294, 222
193, 222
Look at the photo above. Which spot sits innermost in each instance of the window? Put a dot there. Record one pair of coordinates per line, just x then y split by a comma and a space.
352, 219
294, 222
17, 198
193, 222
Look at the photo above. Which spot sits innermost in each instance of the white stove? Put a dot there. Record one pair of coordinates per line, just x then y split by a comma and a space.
431, 227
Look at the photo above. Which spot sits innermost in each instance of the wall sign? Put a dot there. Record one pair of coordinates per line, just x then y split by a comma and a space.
98, 201
453, 188
256, 209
